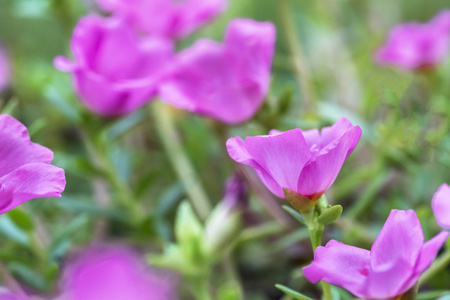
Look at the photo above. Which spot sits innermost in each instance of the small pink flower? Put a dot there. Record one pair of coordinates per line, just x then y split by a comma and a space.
171, 18
25, 169
227, 81
393, 265
112, 273
413, 46
304, 162
115, 71
441, 206
5, 69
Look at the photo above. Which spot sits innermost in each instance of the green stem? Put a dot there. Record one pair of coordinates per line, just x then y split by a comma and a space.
96, 148
180, 161
300, 67
200, 288
315, 233
438, 265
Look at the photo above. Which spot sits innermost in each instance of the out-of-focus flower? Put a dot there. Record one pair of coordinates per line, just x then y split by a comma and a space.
393, 265
227, 82
172, 18
5, 69
302, 162
413, 46
441, 206
115, 71
112, 273
25, 170
5, 294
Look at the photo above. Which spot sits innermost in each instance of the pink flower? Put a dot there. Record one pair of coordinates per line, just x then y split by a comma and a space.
112, 273
172, 18
8, 295
25, 170
115, 71
441, 206
227, 82
413, 46
304, 162
5, 72
393, 265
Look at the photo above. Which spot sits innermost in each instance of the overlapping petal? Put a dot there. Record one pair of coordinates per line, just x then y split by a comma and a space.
393, 265
115, 70
25, 170
227, 82
304, 162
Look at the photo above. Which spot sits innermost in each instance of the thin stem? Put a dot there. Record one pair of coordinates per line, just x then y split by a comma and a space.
200, 288
101, 159
179, 159
438, 265
300, 67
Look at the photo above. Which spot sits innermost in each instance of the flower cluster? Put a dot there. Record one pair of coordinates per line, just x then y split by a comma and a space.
124, 61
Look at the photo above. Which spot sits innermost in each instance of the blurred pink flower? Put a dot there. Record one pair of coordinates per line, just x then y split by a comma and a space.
112, 273
393, 265
5, 69
227, 82
441, 206
304, 162
8, 295
171, 18
413, 46
25, 170
115, 71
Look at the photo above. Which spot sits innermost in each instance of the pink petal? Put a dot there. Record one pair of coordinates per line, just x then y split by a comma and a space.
400, 239
237, 151
341, 265
321, 171
283, 156
16, 149
430, 250
441, 206
32, 180
112, 273
227, 82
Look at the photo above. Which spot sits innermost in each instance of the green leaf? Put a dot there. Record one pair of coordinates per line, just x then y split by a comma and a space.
292, 293
329, 215
298, 216
21, 219
229, 291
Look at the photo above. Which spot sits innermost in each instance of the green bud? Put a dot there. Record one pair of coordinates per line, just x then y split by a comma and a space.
330, 214
189, 234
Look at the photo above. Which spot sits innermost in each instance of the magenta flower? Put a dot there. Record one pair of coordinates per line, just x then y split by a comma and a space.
5, 294
413, 46
115, 71
393, 265
227, 82
171, 18
441, 206
304, 162
5, 72
25, 170
112, 273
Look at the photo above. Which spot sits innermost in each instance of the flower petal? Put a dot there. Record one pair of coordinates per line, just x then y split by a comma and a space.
237, 151
16, 149
320, 173
441, 206
33, 180
400, 239
339, 264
